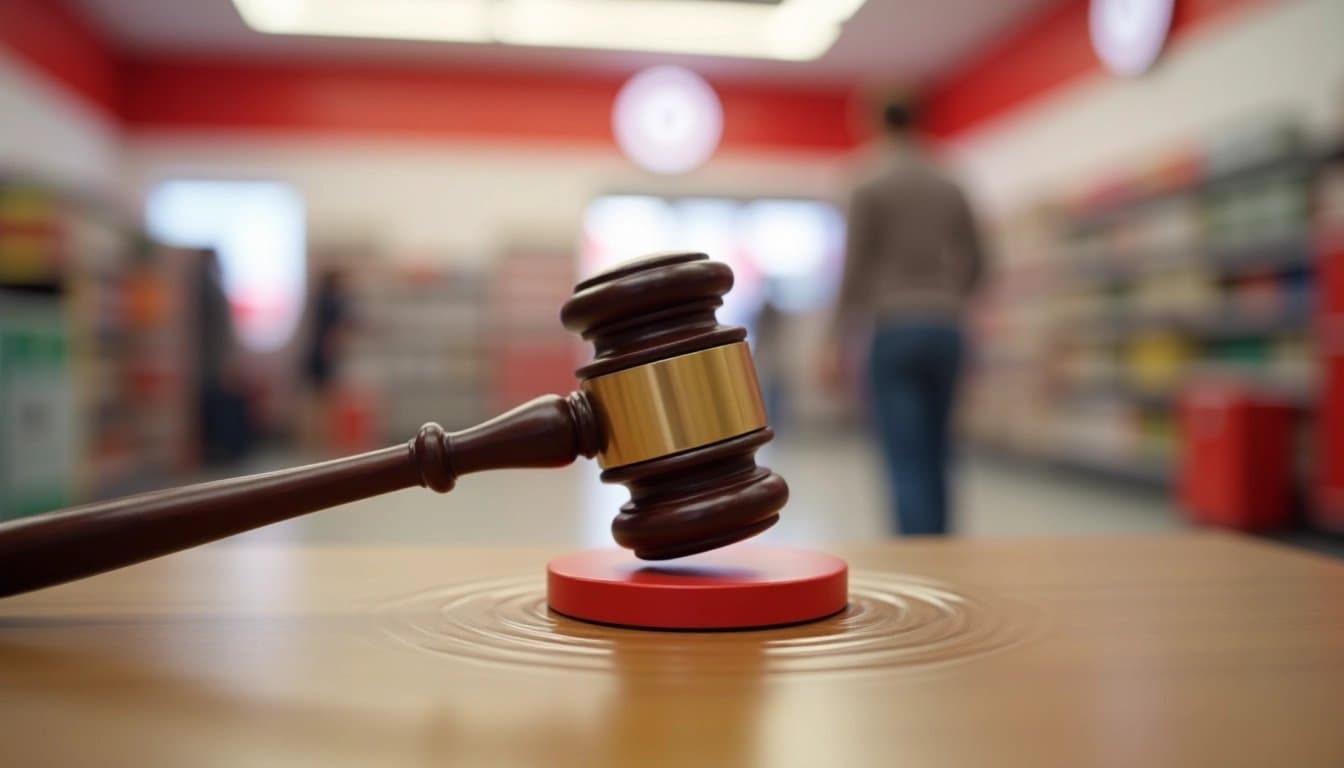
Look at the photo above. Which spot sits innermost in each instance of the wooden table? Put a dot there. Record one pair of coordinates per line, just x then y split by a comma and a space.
1189, 650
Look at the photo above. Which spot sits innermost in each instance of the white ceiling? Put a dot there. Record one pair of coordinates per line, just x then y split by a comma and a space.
901, 42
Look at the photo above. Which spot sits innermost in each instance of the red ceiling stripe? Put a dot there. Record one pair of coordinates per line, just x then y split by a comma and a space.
354, 99
1049, 50
184, 93
57, 41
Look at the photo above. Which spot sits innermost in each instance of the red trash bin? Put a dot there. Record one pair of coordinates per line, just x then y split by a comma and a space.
1236, 466
1328, 510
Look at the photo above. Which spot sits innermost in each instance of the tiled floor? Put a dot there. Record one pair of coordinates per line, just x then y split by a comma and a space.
837, 496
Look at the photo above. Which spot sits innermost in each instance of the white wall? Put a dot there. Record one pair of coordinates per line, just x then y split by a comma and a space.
437, 201
1286, 58
50, 135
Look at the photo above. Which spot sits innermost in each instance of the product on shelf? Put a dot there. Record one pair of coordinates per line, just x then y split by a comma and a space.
38, 435
31, 236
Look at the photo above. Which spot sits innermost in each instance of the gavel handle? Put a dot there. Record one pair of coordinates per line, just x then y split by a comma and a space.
50, 549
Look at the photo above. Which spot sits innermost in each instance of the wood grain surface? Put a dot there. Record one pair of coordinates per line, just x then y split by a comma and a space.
1192, 650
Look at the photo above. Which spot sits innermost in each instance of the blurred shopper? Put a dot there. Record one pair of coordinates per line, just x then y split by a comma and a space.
322, 358
768, 331
913, 258
223, 423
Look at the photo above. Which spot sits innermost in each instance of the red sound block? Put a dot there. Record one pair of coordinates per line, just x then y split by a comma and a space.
737, 587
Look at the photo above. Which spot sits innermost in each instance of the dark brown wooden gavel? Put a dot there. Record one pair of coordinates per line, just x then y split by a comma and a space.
669, 405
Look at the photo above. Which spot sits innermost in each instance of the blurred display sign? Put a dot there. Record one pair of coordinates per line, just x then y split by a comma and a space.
257, 229
787, 252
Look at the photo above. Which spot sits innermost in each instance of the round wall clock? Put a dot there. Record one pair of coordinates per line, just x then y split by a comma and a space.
667, 119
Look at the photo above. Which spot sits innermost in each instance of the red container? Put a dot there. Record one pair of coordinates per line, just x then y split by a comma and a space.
1327, 512
353, 426
1237, 462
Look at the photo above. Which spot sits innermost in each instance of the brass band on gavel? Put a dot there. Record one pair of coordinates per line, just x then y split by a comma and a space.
672, 405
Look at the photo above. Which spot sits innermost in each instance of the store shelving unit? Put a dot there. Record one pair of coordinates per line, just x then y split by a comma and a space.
531, 354
1112, 303
82, 285
419, 346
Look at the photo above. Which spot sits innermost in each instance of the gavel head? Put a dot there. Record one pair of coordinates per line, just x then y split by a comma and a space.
677, 404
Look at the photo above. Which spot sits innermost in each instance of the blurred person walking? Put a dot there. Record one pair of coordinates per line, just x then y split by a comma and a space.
769, 337
322, 359
223, 421
913, 258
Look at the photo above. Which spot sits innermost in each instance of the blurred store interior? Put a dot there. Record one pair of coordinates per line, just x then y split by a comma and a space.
197, 194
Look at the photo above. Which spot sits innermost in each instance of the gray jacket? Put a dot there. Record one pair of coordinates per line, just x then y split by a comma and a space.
913, 250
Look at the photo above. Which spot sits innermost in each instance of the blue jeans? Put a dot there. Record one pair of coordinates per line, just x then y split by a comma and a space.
914, 370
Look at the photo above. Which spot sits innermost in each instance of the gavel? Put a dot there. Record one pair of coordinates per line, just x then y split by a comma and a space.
669, 406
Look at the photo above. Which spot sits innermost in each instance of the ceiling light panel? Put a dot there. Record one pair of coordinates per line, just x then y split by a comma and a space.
796, 30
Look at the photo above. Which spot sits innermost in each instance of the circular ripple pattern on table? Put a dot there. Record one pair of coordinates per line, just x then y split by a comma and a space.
892, 621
